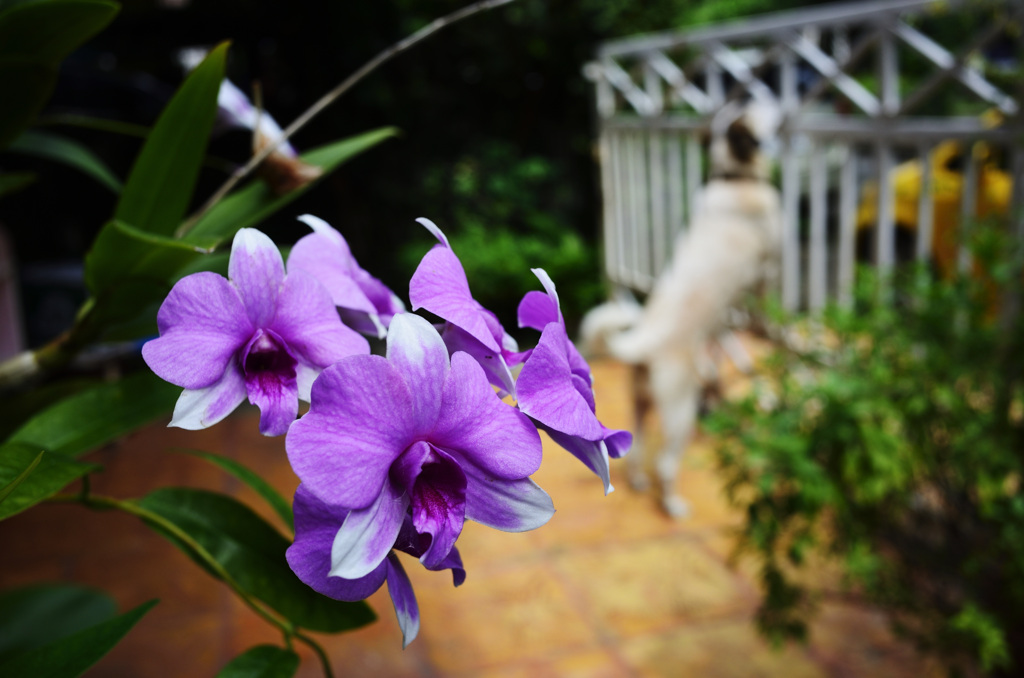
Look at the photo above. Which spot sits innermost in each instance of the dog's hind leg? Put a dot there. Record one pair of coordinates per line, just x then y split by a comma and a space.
635, 467
679, 418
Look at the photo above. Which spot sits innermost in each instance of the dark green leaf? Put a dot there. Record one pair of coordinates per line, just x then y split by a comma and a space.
253, 553
12, 182
47, 32
254, 203
71, 656
9, 455
281, 507
37, 615
262, 661
18, 407
159, 188
92, 122
34, 38
122, 254
68, 152
99, 415
29, 476
26, 87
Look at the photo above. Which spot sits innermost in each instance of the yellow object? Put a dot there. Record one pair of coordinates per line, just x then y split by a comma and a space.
947, 165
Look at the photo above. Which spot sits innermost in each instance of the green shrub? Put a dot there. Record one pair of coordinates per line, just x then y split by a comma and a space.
897, 451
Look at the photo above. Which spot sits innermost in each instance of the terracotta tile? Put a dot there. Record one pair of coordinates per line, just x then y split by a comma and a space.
498, 618
727, 650
651, 585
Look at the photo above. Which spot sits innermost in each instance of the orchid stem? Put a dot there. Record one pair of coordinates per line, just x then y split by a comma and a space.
325, 663
329, 98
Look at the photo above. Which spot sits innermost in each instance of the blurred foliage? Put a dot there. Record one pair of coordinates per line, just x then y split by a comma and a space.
894, 447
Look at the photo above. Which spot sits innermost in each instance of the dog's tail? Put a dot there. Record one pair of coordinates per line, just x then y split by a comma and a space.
602, 324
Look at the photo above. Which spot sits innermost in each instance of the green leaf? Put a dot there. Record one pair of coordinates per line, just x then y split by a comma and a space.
29, 476
99, 415
34, 38
12, 182
262, 661
36, 615
10, 453
254, 203
26, 87
47, 32
68, 152
281, 507
159, 188
18, 407
71, 656
123, 253
253, 553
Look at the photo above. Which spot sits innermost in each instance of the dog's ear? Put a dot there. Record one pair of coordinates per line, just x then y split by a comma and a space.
742, 142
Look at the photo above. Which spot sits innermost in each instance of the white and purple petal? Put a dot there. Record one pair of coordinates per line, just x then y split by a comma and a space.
492, 362
357, 425
509, 505
593, 454
309, 557
439, 285
418, 354
269, 370
307, 321
403, 599
257, 270
203, 324
436, 488
200, 408
475, 425
367, 535
547, 392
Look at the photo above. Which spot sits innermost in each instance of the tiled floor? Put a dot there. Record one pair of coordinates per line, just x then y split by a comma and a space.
610, 587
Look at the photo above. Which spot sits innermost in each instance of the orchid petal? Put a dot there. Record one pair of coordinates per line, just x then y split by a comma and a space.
417, 352
477, 426
404, 600
316, 525
493, 363
367, 535
618, 442
200, 408
257, 270
307, 321
593, 454
202, 324
439, 285
546, 391
434, 230
270, 381
536, 310
305, 375
436, 487
343, 447
508, 505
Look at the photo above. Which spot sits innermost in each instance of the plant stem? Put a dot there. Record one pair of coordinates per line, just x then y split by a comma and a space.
329, 98
325, 663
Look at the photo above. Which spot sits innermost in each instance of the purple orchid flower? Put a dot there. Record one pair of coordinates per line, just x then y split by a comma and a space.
365, 303
259, 333
316, 526
414, 437
554, 387
439, 285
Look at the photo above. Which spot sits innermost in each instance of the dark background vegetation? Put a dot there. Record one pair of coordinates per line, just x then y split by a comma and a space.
496, 119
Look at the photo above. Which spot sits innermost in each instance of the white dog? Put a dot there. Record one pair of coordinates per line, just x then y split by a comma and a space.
733, 244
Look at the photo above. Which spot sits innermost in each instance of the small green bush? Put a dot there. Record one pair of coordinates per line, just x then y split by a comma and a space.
895, 447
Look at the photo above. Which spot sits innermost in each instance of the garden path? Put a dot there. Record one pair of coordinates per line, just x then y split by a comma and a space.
609, 588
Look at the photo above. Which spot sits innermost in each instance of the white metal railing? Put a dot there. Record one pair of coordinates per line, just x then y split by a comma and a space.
656, 94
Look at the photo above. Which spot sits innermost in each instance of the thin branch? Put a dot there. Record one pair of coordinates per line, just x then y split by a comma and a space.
329, 98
